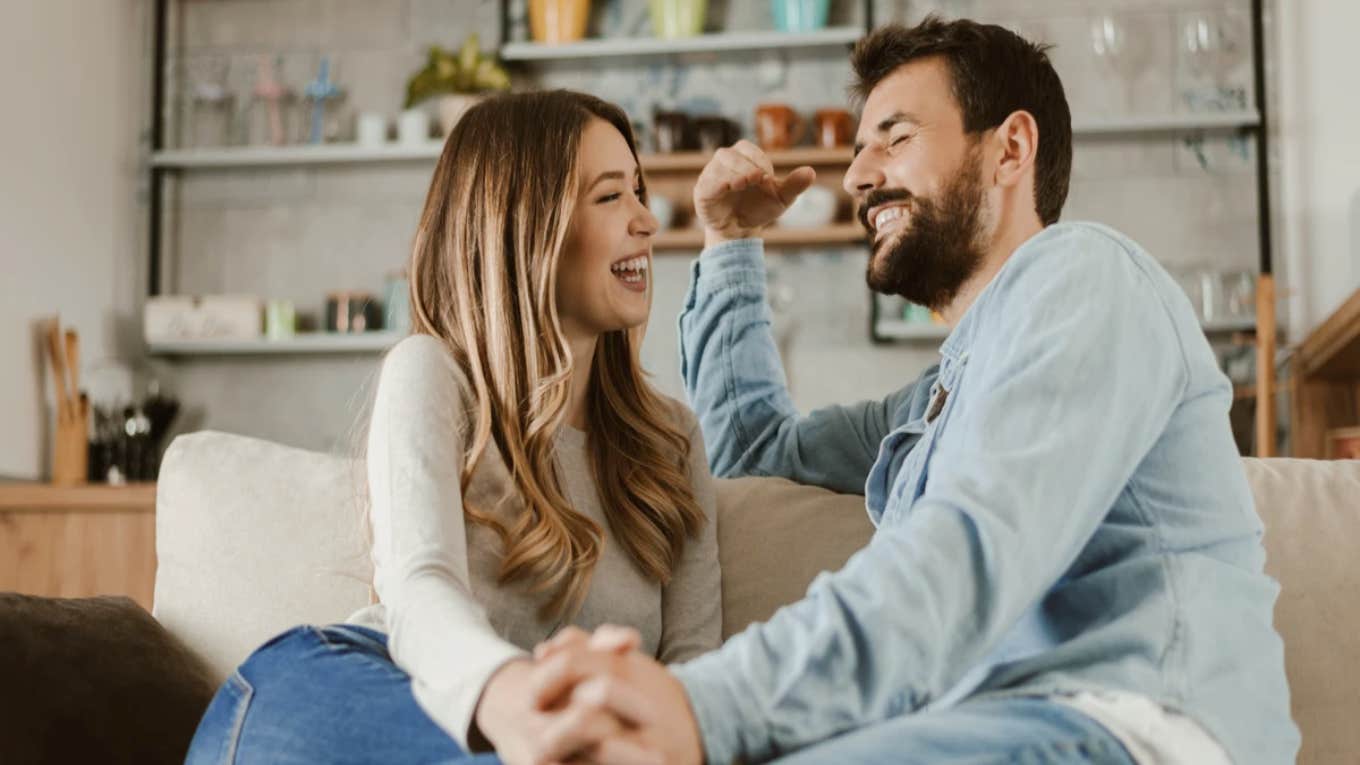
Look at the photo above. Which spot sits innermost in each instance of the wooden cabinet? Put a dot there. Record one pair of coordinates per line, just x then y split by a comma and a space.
77, 541
1326, 382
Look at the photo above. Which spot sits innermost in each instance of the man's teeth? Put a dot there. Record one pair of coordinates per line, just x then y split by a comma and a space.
887, 216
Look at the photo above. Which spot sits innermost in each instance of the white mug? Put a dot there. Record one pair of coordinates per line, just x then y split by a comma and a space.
413, 127
371, 129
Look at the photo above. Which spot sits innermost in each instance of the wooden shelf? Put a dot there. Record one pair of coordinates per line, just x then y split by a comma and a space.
305, 343
27, 497
694, 161
653, 46
839, 233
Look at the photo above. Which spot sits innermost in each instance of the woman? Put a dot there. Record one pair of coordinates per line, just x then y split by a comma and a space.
523, 476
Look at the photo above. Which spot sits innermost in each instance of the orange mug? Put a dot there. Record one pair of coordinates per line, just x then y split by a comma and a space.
778, 126
834, 128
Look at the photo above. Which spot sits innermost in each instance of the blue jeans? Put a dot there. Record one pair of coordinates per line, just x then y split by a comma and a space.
322, 695
1014, 731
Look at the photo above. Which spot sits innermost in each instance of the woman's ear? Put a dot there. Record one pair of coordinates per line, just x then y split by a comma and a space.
1018, 140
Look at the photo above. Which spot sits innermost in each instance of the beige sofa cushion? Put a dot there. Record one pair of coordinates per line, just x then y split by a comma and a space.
1311, 510
774, 537
253, 537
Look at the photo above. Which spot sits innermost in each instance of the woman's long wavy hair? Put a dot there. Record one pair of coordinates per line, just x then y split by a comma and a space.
483, 281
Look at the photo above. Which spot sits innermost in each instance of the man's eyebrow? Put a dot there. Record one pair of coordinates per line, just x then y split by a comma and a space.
886, 124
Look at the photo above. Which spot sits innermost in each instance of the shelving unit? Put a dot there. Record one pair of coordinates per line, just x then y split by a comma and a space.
671, 170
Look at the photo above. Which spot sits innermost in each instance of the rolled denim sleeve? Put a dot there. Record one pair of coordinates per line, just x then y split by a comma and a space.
735, 382
1075, 372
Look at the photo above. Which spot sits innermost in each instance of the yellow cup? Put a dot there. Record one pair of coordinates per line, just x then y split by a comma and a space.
558, 21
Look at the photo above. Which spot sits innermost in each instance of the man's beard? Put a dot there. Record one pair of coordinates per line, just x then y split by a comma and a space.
928, 261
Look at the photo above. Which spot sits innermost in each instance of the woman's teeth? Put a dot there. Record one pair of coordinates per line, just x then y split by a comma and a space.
633, 270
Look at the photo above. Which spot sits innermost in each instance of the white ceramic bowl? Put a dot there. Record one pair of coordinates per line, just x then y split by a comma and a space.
814, 208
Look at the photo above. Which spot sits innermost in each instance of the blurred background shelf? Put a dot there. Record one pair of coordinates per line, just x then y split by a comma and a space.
710, 43
351, 153
303, 343
840, 233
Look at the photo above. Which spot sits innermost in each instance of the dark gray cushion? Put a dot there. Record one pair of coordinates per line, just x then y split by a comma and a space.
94, 680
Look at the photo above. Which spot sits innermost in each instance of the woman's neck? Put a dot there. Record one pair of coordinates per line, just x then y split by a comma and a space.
583, 360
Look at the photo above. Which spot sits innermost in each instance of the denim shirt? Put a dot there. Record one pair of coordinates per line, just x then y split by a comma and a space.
1059, 507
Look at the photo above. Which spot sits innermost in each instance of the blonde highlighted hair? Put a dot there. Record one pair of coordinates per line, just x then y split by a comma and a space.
483, 274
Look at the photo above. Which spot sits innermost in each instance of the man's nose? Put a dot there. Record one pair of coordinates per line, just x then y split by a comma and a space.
863, 175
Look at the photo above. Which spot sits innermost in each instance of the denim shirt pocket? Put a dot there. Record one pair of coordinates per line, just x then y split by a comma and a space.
911, 481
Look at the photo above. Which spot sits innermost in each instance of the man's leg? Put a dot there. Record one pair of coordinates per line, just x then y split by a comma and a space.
1023, 731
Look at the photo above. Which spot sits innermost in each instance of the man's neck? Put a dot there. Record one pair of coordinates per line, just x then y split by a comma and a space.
1003, 245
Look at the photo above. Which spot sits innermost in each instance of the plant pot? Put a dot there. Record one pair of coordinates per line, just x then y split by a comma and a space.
558, 21
451, 108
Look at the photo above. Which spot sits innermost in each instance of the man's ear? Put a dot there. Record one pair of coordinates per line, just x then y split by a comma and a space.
1017, 140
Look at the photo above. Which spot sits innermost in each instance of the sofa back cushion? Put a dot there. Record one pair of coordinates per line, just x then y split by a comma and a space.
1311, 510
252, 538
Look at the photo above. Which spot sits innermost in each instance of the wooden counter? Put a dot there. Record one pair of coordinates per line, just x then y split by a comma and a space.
77, 541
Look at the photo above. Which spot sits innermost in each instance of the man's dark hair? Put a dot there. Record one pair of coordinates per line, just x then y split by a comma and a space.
995, 72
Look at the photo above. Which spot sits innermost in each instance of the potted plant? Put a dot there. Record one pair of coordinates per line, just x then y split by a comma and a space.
457, 80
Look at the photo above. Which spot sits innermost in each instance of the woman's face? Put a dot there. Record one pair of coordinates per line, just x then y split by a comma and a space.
604, 278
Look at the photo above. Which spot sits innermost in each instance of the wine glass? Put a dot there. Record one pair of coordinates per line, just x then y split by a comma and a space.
1212, 44
1122, 52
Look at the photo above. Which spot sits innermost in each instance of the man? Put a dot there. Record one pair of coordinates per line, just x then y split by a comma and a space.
1067, 565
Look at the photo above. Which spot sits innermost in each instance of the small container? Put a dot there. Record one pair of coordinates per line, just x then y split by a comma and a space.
371, 129
280, 319
352, 311
413, 127
397, 302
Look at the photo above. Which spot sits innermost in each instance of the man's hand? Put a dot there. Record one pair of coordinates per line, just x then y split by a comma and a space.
596, 676
524, 732
737, 193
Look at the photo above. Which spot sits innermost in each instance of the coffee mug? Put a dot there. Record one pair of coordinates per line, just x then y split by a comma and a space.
413, 127
371, 129
778, 126
715, 133
834, 128
671, 132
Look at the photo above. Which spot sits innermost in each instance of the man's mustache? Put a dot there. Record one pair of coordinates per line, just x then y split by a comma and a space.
878, 197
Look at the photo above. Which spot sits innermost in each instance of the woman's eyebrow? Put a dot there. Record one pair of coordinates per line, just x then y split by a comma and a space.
616, 175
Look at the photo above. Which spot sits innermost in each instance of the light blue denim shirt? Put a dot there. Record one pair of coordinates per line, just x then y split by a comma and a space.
1059, 507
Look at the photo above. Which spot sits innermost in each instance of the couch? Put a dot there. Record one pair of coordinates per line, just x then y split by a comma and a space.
254, 537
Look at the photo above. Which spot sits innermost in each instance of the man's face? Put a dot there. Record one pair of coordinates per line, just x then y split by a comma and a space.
917, 183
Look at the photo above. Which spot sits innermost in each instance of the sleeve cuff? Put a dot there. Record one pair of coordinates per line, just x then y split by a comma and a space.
453, 706
738, 261
725, 724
